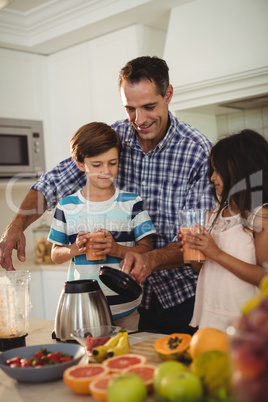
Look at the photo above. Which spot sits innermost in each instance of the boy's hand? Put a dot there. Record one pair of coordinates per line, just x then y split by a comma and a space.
80, 242
106, 245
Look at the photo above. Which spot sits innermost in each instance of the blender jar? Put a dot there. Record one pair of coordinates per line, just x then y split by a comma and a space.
14, 308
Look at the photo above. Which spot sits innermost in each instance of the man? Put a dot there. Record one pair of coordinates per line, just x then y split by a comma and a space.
165, 161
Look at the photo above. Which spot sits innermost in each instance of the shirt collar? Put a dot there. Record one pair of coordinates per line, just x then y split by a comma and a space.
133, 142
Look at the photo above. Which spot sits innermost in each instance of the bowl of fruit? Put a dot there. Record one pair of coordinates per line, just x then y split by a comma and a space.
94, 336
40, 363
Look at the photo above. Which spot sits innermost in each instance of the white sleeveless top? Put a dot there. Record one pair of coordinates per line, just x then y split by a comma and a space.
220, 294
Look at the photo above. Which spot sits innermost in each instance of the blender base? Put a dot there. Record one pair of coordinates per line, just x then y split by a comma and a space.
11, 343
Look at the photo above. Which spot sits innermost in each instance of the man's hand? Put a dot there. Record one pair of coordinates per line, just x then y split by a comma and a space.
32, 207
137, 265
140, 266
13, 238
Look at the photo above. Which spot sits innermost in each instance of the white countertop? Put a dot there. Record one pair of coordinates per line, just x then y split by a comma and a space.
40, 333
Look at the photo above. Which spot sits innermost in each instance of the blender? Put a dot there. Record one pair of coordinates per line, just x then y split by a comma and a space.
14, 308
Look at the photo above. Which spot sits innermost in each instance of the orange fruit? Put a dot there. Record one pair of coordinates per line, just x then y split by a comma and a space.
98, 387
206, 339
145, 371
78, 377
119, 363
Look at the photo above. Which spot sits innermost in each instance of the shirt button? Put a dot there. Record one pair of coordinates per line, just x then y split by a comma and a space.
143, 183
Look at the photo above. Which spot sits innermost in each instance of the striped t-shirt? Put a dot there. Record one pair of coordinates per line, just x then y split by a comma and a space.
127, 222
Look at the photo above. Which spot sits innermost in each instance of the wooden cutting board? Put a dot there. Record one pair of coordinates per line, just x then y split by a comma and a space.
146, 348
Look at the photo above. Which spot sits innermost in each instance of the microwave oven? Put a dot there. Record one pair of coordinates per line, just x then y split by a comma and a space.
22, 151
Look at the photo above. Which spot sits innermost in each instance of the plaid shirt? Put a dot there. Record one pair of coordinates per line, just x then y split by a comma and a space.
171, 176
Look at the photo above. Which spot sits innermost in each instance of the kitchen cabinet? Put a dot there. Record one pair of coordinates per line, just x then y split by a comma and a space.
47, 282
52, 285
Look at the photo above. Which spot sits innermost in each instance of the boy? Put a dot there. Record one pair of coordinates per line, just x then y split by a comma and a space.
96, 148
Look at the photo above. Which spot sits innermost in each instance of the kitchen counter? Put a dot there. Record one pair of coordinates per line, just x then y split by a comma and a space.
40, 333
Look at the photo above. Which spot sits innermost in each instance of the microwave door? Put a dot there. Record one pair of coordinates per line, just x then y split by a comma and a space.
16, 150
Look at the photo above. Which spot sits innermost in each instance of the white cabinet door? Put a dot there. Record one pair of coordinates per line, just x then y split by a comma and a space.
52, 283
37, 298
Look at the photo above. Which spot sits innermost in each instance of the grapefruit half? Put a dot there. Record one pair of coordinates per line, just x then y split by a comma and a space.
98, 387
118, 364
145, 371
78, 377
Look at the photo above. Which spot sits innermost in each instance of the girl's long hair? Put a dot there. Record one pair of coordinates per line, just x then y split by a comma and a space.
242, 162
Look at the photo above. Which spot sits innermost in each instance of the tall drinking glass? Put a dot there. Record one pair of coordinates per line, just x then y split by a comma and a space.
187, 220
98, 222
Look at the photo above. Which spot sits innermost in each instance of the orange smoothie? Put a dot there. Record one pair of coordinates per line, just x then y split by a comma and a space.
191, 254
89, 251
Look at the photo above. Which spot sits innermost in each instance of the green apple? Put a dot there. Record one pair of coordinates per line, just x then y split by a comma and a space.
127, 387
165, 369
180, 387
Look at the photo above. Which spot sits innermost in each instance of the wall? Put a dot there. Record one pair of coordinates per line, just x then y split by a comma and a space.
66, 90
84, 81
217, 51
212, 38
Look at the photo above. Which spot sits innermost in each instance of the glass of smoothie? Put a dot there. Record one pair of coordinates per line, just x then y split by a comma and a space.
97, 222
187, 220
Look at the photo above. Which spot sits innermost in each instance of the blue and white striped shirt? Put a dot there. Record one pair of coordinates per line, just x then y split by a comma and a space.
125, 219
171, 176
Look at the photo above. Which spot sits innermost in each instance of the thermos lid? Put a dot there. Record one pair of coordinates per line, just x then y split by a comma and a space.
120, 282
81, 286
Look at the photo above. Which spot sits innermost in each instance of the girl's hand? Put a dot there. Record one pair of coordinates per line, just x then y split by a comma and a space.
203, 241
79, 246
181, 242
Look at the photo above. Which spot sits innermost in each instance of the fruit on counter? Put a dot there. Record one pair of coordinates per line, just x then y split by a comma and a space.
206, 339
98, 387
78, 377
182, 386
254, 301
254, 390
249, 349
100, 353
127, 387
165, 369
43, 357
173, 347
122, 347
145, 372
118, 364
93, 342
214, 370
249, 363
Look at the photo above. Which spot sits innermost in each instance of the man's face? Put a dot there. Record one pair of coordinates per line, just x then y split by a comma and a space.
147, 111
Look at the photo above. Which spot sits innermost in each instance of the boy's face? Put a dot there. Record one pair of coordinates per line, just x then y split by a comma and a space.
101, 170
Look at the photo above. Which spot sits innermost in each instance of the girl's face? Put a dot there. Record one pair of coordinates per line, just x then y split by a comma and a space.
101, 170
217, 181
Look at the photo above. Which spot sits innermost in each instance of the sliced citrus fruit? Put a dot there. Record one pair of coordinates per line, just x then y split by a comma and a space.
145, 371
98, 387
78, 377
119, 363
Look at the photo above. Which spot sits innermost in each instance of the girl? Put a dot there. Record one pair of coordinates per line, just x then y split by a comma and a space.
237, 243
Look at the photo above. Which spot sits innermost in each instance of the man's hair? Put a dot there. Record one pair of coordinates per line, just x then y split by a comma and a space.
93, 139
149, 68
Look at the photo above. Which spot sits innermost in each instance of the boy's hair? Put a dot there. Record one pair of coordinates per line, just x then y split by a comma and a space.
242, 162
93, 139
153, 69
